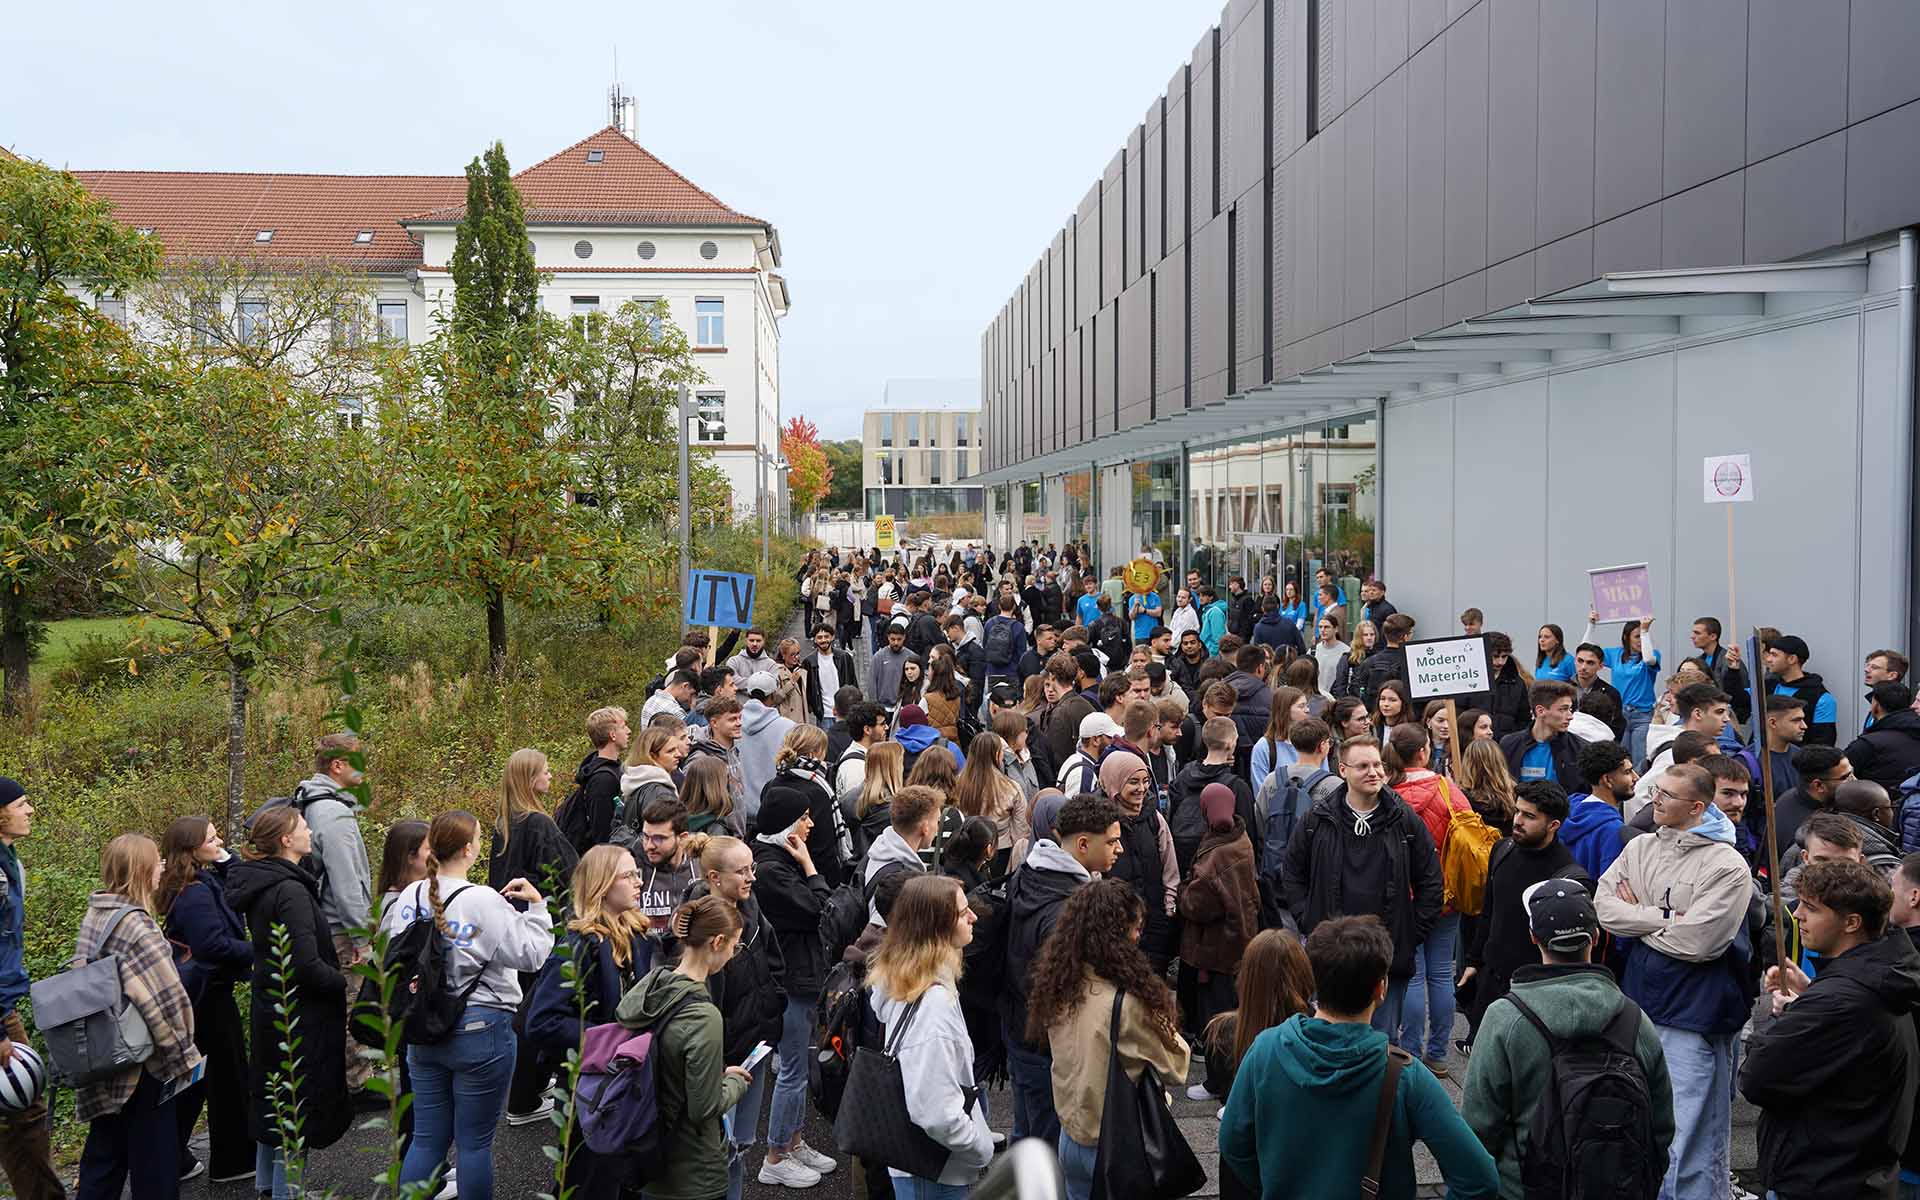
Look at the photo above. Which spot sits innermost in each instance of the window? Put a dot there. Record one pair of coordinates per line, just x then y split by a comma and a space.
594, 156
113, 308
933, 466
265, 235
351, 413
346, 326
1338, 498
393, 320
960, 431
886, 469
586, 314
933, 429
144, 230
886, 430
710, 322
710, 419
709, 251
959, 465
583, 249
363, 238
913, 429
656, 324
253, 321
204, 320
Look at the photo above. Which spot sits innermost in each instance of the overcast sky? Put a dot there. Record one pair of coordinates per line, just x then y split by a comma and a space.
916, 158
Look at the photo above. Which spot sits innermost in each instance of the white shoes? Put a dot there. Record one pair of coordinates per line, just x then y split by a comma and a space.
789, 1172
449, 1187
1198, 1091
532, 1117
812, 1159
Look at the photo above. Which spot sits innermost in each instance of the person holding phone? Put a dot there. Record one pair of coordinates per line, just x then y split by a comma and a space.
490, 938
692, 1085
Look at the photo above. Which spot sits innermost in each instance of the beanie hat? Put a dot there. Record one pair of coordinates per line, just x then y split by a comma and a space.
780, 807
10, 790
912, 714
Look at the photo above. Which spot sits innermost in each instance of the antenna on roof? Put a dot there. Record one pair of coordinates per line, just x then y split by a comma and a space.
620, 106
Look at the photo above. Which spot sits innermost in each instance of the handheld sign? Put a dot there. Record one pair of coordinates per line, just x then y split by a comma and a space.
1729, 479
883, 534
1621, 593
1141, 576
720, 598
1446, 667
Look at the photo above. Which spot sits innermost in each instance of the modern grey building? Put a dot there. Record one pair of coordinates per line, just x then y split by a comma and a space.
1464, 292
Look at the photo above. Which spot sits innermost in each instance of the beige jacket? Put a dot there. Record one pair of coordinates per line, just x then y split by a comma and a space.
1081, 1048
1692, 889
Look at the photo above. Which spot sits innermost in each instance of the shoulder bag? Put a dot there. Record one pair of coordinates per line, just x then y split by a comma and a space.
1397, 1059
873, 1123
1142, 1153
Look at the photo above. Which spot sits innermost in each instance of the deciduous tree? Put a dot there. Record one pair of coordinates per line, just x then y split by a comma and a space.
808, 474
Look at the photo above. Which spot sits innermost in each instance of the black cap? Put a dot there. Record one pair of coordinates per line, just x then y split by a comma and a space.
1005, 695
1561, 915
1786, 643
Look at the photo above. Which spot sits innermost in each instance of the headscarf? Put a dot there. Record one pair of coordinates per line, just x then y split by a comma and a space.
1216, 801
1047, 803
1118, 767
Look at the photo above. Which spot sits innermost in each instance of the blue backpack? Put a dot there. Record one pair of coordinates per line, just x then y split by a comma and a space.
1287, 802
618, 1108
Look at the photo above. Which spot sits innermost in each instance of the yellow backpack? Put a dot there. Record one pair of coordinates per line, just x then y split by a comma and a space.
1463, 858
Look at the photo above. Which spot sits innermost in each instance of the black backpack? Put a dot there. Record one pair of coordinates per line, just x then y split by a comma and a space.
574, 820
1000, 642
842, 919
986, 955
417, 961
1591, 1134
838, 1033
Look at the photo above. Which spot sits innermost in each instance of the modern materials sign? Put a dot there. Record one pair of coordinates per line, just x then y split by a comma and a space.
1447, 667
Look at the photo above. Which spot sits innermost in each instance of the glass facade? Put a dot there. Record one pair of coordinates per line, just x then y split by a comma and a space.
1077, 487
1156, 503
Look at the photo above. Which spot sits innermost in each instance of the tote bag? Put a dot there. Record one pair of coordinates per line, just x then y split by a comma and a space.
1142, 1153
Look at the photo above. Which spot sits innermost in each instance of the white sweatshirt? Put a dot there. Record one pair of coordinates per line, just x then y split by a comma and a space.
936, 1061
489, 936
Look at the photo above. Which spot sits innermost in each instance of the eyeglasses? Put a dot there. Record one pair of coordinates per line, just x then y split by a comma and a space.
656, 839
746, 872
624, 876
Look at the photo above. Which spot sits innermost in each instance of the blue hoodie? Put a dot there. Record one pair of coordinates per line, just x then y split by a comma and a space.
1300, 1114
918, 737
1591, 833
1213, 625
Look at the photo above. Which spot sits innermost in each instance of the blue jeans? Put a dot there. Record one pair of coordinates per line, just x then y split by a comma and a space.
459, 1092
1386, 1018
912, 1187
743, 1128
1076, 1167
1638, 720
1032, 1075
270, 1170
1702, 1068
790, 1086
1430, 992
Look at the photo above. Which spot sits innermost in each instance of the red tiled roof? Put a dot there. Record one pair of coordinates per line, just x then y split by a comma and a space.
590, 270
210, 214
628, 186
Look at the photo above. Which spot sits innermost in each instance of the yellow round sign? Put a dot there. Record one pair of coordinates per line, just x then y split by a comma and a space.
1141, 576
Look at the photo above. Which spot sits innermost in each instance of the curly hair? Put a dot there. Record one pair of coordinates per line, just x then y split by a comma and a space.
1097, 930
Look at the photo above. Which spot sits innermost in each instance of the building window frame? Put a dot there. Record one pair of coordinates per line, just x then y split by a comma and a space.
710, 416
393, 316
710, 321
250, 320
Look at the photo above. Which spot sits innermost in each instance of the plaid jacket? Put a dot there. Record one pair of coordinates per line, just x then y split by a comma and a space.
152, 984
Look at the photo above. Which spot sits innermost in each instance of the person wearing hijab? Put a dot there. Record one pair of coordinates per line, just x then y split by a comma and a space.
1219, 904
1147, 859
1047, 803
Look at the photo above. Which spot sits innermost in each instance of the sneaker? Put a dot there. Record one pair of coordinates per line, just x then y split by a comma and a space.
788, 1172
999, 1141
1439, 1068
815, 1161
236, 1177
1198, 1091
1735, 1191
532, 1116
193, 1168
449, 1187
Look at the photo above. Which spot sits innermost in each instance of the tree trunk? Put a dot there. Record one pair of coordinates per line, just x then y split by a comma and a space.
237, 691
496, 631
14, 651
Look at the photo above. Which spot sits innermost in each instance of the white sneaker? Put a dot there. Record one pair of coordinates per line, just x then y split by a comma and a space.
788, 1172
532, 1116
449, 1187
819, 1163
1198, 1091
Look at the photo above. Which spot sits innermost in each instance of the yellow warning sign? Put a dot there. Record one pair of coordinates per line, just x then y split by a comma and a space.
883, 535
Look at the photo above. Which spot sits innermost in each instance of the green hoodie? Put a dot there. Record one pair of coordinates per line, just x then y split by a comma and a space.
1301, 1113
690, 1084
1508, 1070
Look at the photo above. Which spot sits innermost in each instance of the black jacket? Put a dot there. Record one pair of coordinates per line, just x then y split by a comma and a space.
1889, 752
923, 634
830, 844
1833, 1075
1243, 612
1378, 611
1566, 757
1508, 701
1186, 674
1320, 880
537, 852
792, 904
1347, 678
1502, 940
1139, 864
597, 782
1619, 722
1810, 688
1733, 681
839, 737
972, 657
554, 1017
1274, 630
1388, 662
1035, 896
822, 706
270, 892
1252, 709
1108, 635
747, 991
218, 951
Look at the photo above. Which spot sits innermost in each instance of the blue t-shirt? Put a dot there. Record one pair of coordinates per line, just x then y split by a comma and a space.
1633, 677
1087, 608
1148, 618
1825, 711
1547, 670
1537, 763
1297, 613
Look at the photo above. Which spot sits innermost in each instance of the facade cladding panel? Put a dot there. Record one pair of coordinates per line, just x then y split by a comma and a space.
1104, 368
1134, 315
1462, 148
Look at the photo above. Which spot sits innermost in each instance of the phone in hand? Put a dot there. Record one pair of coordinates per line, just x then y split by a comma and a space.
755, 1057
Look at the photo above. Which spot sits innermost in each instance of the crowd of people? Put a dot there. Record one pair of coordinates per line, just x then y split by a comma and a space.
1044, 829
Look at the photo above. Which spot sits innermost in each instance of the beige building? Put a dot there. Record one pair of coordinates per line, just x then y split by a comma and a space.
920, 447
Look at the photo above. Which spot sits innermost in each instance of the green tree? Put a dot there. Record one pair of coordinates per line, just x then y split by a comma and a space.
58, 360
496, 288
844, 492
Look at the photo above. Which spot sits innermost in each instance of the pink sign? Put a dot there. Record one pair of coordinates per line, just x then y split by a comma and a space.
1621, 593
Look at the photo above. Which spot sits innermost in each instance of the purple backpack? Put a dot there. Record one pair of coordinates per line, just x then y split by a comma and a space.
616, 1102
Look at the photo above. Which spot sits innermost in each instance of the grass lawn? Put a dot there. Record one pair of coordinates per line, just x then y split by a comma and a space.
63, 636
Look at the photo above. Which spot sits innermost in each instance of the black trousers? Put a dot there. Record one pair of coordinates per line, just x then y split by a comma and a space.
218, 1033
140, 1145
533, 1070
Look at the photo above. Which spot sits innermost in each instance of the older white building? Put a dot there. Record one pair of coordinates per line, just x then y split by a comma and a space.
609, 223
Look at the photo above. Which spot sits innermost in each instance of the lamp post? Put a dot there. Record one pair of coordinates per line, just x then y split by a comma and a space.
686, 495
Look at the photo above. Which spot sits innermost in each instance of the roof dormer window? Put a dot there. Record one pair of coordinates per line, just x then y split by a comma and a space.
363, 238
264, 236
594, 156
